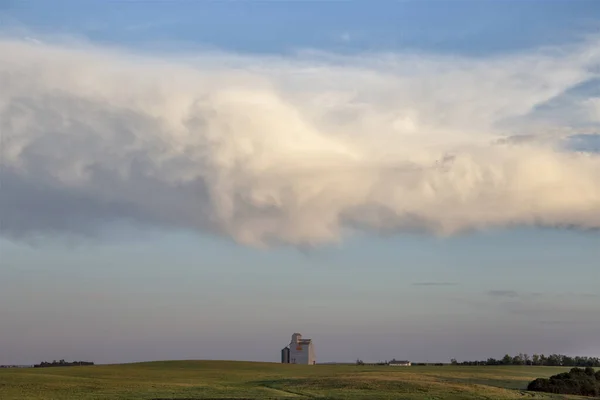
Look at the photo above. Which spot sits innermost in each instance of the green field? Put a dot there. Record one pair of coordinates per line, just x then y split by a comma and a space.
244, 380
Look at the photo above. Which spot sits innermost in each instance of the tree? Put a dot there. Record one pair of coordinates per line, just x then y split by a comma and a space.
507, 360
567, 361
554, 360
518, 359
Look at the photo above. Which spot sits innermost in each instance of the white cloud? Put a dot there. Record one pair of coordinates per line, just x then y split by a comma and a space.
297, 150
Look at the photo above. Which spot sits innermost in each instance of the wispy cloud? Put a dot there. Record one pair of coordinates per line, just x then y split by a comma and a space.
345, 37
149, 25
539, 295
435, 284
569, 322
550, 308
503, 293
298, 150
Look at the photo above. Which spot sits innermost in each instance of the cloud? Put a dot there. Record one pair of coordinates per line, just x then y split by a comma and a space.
434, 284
568, 323
557, 308
503, 293
537, 295
300, 150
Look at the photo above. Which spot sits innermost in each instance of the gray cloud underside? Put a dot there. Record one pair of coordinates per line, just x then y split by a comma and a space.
300, 150
551, 308
503, 293
434, 284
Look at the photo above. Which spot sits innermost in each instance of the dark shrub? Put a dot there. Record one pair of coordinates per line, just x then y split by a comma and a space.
582, 382
539, 385
576, 371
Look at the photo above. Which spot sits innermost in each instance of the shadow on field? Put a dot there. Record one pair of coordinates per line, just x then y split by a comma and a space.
342, 387
298, 386
499, 383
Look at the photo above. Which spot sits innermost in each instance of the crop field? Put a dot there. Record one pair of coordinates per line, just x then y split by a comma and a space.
245, 380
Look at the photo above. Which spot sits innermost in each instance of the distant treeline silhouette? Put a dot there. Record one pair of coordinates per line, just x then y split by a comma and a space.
422, 364
386, 362
553, 360
62, 363
581, 382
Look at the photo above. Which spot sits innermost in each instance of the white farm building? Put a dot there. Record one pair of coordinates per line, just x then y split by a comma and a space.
401, 363
299, 351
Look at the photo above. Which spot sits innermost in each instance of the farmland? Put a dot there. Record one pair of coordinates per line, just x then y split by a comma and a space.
246, 380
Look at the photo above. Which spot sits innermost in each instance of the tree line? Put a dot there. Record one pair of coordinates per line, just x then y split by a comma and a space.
553, 360
62, 363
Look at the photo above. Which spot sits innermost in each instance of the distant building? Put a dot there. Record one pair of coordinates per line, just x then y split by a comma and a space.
401, 363
299, 351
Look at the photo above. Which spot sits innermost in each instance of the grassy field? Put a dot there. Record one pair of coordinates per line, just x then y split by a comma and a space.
244, 380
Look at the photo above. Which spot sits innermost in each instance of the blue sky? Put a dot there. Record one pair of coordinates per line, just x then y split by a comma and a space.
268, 26
162, 291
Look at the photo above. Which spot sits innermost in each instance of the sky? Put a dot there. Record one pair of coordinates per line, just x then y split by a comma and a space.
200, 180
